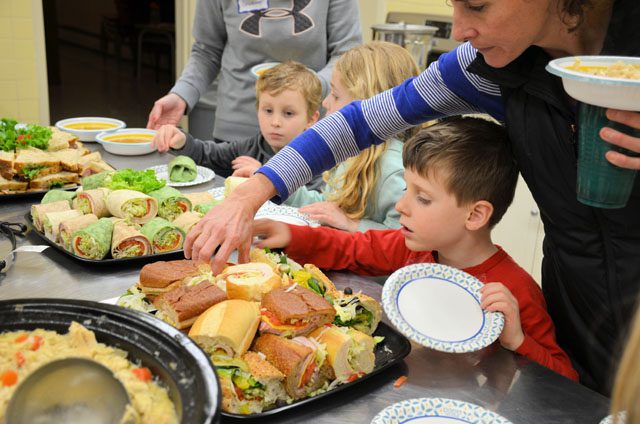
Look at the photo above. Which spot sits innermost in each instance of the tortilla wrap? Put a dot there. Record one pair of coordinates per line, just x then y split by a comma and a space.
182, 169
199, 198
97, 180
69, 226
128, 242
51, 222
187, 220
38, 211
204, 208
56, 195
93, 201
163, 235
94, 241
133, 205
171, 202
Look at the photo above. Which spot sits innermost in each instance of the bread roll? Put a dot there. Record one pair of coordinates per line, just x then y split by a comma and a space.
249, 281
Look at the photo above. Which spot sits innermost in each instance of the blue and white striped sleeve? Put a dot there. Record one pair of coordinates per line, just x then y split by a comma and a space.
445, 88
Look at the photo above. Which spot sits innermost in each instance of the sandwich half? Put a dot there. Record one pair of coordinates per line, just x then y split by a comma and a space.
163, 276
301, 360
349, 352
356, 310
249, 385
227, 328
294, 311
182, 306
250, 281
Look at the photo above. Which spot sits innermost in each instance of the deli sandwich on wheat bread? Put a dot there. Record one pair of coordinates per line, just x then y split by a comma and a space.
162, 276
182, 306
250, 281
227, 327
294, 311
304, 367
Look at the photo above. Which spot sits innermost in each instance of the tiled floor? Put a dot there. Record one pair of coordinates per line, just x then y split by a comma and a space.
91, 86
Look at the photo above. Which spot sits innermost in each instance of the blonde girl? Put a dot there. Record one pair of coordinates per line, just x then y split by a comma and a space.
361, 192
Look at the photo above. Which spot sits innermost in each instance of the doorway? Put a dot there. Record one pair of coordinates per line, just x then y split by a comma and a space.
108, 57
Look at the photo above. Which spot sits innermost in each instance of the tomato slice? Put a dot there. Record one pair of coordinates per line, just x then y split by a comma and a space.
308, 373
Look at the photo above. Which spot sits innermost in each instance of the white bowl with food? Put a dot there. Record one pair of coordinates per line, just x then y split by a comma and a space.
128, 142
88, 127
258, 70
605, 81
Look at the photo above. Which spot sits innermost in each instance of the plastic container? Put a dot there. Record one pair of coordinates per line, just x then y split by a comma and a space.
417, 39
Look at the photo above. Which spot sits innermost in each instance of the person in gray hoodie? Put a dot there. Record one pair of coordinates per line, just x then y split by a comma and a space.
289, 97
232, 36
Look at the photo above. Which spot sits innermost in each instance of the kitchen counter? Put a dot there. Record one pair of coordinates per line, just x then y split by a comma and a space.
494, 378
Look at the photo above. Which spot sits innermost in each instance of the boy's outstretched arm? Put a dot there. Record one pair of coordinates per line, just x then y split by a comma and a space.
528, 329
271, 234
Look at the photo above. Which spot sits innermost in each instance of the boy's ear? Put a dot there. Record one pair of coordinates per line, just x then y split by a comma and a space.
479, 214
314, 118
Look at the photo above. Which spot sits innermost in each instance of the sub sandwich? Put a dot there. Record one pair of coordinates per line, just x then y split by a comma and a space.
182, 306
349, 352
356, 310
163, 276
250, 281
294, 311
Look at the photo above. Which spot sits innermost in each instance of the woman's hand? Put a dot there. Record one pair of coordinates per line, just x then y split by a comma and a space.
245, 166
495, 297
631, 119
228, 226
166, 110
168, 136
328, 213
272, 234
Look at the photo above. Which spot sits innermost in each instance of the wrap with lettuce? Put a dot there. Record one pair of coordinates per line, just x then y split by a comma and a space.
56, 195
199, 198
51, 222
187, 220
70, 226
205, 207
164, 236
128, 242
101, 179
182, 169
171, 202
94, 241
135, 206
38, 211
93, 201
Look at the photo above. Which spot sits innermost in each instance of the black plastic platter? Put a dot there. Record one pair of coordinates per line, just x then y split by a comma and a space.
390, 351
31, 194
181, 366
174, 254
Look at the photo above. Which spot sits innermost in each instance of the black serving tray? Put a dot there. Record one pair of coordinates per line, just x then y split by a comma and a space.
181, 366
32, 194
108, 260
389, 352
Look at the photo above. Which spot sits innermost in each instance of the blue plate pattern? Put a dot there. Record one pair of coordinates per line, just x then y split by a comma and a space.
204, 175
488, 330
443, 409
285, 213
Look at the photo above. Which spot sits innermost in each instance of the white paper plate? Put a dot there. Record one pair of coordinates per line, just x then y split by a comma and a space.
204, 175
438, 307
218, 192
284, 213
436, 411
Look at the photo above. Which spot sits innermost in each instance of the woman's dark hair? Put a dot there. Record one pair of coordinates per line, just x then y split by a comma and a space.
572, 12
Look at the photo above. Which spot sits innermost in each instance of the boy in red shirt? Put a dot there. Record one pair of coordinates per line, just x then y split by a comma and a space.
461, 178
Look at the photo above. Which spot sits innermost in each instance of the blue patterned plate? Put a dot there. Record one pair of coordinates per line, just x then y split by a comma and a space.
438, 307
204, 175
436, 411
284, 213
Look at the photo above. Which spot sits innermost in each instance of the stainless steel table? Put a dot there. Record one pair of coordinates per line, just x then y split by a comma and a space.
494, 378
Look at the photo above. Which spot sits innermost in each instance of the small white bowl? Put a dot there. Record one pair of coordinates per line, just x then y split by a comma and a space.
257, 70
110, 143
89, 134
609, 92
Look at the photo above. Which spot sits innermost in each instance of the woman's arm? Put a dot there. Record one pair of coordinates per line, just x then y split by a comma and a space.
203, 65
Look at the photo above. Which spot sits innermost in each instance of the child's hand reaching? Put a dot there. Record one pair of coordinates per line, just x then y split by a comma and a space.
328, 213
496, 297
168, 136
245, 166
272, 234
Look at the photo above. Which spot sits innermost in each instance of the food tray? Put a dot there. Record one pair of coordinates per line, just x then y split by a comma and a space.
389, 352
182, 367
32, 194
174, 254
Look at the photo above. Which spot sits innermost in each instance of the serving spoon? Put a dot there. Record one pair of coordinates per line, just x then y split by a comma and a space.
71, 390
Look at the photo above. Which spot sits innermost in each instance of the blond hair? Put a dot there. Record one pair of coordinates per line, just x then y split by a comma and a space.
365, 71
291, 76
626, 390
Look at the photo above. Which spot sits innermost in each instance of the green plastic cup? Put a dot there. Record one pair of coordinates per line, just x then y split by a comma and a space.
600, 183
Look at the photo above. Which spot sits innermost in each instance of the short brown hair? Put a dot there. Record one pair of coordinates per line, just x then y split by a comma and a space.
472, 156
291, 76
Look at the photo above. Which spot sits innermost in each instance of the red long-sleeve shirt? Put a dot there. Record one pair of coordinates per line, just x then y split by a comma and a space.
381, 252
